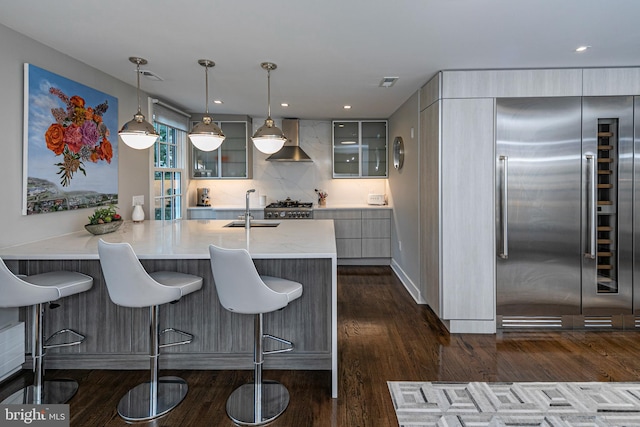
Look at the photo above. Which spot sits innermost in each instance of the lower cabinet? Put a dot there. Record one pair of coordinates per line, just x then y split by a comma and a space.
212, 213
201, 213
376, 233
348, 227
361, 234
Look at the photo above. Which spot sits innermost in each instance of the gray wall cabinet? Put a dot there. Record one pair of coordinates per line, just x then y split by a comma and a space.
233, 159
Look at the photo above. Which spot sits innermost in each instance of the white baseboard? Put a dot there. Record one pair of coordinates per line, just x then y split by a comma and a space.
407, 283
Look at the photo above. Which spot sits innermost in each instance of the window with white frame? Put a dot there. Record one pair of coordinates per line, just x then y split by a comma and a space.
168, 162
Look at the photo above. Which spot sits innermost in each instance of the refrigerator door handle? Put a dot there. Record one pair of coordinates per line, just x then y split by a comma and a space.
591, 212
504, 253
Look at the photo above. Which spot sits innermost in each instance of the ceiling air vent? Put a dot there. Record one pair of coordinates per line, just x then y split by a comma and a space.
388, 81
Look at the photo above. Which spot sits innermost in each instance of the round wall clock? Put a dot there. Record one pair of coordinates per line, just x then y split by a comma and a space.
398, 152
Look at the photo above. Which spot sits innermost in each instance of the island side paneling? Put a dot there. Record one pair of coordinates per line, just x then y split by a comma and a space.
117, 337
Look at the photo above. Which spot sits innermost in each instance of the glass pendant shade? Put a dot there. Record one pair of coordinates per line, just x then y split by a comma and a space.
206, 135
268, 138
138, 133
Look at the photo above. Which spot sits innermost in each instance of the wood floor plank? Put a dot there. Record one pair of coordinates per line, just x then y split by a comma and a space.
382, 336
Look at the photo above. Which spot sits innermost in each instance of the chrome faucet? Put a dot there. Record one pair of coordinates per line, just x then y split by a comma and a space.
247, 213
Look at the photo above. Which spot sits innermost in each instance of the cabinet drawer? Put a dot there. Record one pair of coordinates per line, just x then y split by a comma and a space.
376, 228
337, 214
349, 248
376, 213
376, 248
322, 214
348, 228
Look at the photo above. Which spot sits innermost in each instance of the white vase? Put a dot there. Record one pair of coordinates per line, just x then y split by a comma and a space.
138, 214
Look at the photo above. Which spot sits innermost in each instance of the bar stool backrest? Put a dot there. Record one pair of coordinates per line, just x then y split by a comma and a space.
15, 292
239, 286
128, 283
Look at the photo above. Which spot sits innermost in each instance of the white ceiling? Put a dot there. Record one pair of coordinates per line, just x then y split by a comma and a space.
329, 52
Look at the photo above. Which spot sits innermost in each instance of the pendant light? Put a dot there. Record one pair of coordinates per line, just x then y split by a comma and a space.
206, 135
268, 138
138, 133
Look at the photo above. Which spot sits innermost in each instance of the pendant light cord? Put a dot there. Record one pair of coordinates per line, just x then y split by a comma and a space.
269, 92
138, 87
206, 87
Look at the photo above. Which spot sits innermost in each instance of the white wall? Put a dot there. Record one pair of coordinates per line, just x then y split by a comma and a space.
279, 180
405, 196
133, 170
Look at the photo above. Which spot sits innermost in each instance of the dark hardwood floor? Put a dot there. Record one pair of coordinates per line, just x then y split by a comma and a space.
383, 336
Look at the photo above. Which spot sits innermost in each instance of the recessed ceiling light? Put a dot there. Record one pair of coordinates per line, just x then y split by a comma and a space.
347, 107
348, 143
284, 104
582, 48
217, 101
388, 81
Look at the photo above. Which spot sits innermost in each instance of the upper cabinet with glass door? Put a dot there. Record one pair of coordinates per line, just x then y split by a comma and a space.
360, 149
233, 159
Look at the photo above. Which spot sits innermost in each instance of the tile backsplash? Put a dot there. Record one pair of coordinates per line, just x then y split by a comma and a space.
278, 180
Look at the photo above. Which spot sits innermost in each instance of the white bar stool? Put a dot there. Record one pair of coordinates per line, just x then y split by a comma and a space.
37, 290
241, 290
129, 285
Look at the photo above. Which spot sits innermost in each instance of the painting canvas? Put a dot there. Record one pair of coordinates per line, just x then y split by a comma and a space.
70, 144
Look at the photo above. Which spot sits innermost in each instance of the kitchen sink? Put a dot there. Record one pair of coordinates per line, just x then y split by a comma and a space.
240, 224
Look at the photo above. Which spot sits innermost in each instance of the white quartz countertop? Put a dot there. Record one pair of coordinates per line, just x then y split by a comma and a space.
190, 239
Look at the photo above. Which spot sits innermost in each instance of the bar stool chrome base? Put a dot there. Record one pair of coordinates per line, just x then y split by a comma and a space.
243, 409
138, 405
54, 392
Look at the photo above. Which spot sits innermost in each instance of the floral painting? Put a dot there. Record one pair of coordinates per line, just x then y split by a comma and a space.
70, 147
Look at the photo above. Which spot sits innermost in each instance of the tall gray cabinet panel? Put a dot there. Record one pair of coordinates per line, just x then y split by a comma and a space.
457, 269
468, 271
430, 206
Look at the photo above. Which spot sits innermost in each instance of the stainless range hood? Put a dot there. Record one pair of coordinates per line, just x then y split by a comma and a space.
291, 151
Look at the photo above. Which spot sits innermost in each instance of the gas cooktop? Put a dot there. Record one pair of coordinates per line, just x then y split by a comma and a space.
288, 208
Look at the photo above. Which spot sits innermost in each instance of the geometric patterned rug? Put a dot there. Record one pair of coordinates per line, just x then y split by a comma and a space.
516, 404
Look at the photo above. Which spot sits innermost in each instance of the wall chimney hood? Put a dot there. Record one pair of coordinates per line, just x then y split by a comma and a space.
291, 151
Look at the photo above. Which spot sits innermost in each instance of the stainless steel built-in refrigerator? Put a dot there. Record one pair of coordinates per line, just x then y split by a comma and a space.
564, 206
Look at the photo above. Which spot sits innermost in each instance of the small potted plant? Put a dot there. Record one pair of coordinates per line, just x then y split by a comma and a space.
322, 197
104, 220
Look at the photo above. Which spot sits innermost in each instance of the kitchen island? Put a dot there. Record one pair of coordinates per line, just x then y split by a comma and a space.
117, 337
